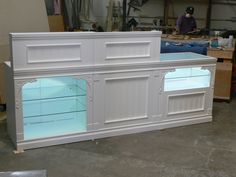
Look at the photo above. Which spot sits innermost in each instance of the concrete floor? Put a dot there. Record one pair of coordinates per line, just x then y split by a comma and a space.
203, 150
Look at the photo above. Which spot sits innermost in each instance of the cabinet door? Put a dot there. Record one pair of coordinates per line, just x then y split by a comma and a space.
56, 106
185, 104
123, 99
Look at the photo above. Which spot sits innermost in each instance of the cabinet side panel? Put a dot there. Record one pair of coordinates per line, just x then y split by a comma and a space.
10, 100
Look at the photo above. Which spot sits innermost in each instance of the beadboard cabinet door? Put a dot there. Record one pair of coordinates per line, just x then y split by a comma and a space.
124, 99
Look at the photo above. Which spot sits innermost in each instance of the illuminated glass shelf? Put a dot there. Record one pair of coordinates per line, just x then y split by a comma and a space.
54, 106
54, 125
52, 92
54, 87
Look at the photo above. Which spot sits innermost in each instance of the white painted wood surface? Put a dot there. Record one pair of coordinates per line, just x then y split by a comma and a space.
125, 83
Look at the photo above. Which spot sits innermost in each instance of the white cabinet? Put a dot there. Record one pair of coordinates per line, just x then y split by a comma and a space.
69, 87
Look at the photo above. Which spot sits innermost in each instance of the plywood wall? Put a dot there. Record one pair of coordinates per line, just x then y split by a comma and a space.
19, 16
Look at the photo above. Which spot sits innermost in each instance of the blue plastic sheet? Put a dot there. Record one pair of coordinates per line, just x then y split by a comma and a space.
173, 47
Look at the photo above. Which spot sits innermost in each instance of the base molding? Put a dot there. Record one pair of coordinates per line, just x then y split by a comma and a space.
31, 144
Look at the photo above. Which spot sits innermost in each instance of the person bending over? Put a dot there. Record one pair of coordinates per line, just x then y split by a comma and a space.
186, 24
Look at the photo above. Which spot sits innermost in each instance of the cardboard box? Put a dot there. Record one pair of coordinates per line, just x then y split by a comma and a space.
56, 23
223, 80
227, 53
233, 88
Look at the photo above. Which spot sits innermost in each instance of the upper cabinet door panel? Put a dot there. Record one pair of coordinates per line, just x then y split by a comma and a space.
54, 53
124, 50
127, 49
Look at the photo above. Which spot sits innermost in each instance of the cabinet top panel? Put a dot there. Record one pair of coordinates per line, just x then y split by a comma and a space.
82, 35
182, 56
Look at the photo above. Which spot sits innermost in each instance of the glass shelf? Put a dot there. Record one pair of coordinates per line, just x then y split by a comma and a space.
187, 78
51, 88
54, 125
54, 106
52, 92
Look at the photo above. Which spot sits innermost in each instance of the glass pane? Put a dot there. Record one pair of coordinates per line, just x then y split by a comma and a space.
187, 78
181, 56
54, 106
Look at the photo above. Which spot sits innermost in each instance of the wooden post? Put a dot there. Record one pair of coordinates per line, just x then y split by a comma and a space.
110, 16
124, 26
166, 12
208, 17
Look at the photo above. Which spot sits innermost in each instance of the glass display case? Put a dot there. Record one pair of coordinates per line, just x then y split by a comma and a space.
54, 106
70, 87
187, 78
